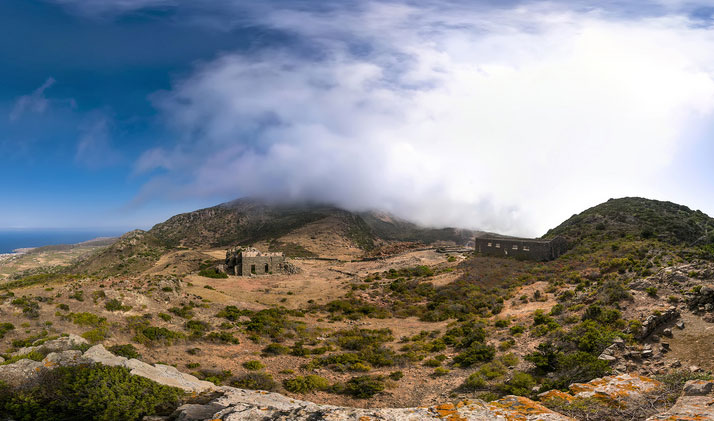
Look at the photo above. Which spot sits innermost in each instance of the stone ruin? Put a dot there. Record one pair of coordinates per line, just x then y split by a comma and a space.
521, 248
251, 261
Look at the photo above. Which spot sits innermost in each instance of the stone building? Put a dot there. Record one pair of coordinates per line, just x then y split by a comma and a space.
246, 262
521, 248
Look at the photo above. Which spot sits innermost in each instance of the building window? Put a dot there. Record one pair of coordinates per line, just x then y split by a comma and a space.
252, 269
498, 245
489, 244
526, 248
515, 247
266, 268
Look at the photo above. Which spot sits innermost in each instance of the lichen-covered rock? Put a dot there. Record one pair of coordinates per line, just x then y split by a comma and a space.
618, 388
621, 389
524, 409
242, 405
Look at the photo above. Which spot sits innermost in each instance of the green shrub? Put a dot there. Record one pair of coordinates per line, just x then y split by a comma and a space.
128, 351
306, 384
651, 291
147, 335
255, 381
197, 327
98, 334
363, 387
476, 353
116, 305
165, 317
520, 384
276, 349
253, 365
212, 273
92, 392
86, 319
473, 382
5, 328
184, 312
441, 371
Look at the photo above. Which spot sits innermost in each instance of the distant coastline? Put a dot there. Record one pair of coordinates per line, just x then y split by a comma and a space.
14, 242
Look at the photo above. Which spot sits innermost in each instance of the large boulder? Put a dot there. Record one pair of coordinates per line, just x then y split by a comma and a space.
63, 343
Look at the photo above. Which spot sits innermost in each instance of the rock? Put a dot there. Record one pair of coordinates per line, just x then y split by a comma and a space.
680, 325
64, 358
708, 307
667, 332
665, 347
618, 343
698, 387
687, 408
606, 357
63, 343
646, 353
654, 338
163, 374
238, 404
2, 360
694, 368
676, 364
615, 388
19, 372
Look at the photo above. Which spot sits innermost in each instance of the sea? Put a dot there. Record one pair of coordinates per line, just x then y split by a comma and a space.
12, 239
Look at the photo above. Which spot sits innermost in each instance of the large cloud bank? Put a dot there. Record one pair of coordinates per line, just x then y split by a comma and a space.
500, 119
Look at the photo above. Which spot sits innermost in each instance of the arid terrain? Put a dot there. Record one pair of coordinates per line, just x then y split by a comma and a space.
398, 324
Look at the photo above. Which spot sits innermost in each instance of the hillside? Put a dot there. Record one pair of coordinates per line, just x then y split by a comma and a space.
638, 218
299, 230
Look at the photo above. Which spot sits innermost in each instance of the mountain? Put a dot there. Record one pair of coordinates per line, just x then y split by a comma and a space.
638, 218
298, 229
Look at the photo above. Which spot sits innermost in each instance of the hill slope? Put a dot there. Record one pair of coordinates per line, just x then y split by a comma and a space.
635, 217
297, 229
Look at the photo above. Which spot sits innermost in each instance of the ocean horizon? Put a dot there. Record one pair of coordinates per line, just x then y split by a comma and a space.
13, 239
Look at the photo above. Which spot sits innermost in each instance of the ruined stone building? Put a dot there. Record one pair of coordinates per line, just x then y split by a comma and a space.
522, 248
246, 262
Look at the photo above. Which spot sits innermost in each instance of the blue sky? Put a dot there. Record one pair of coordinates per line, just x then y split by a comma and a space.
501, 115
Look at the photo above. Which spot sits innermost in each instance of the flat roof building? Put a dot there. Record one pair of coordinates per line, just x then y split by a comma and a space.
521, 248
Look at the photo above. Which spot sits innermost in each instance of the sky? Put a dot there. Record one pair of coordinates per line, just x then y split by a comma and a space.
506, 116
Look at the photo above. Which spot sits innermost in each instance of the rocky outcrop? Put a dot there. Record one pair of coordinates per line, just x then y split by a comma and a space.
621, 389
702, 300
232, 404
27, 369
60, 344
243, 405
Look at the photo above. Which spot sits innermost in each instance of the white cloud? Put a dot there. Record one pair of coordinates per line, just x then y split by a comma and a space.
94, 148
36, 102
508, 120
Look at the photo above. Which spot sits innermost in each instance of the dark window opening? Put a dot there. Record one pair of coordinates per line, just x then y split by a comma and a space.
266, 268
252, 269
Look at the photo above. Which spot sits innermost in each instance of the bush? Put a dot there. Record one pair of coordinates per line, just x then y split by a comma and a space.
128, 351
306, 384
5, 328
197, 327
476, 353
253, 365
255, 381
148, 334
520, 384
93, 392
473, 382
212, 273
276, 349
86, 319
363, 387
97, 334
651, 291
116, 305
184, 312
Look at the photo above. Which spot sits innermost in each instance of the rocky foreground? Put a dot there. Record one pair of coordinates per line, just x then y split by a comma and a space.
232, 404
